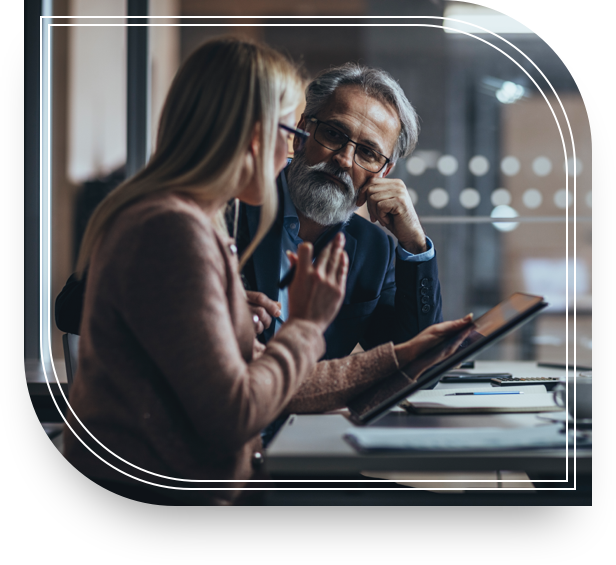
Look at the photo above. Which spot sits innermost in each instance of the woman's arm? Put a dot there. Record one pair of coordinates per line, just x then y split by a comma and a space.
182, 299
333, 383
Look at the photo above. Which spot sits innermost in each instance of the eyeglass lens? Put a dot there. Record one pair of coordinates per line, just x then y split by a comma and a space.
333, 139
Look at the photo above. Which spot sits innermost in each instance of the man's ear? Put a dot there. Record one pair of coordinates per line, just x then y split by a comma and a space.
388, 169
301, 125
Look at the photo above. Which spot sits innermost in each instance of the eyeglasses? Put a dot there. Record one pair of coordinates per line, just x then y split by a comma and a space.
333, 139
299, 134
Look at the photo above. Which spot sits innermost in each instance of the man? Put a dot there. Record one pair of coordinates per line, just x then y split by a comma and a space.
360, 122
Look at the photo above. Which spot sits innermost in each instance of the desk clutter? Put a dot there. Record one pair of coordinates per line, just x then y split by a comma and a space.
550, 436
455, 451
499, 379
525, 381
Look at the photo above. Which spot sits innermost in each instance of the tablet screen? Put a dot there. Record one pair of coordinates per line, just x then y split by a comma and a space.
427, 368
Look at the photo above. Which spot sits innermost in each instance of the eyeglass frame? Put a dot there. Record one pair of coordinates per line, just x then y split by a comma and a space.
315, 120
302, 135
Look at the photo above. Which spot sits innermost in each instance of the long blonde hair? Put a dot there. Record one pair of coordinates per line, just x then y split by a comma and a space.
225, 89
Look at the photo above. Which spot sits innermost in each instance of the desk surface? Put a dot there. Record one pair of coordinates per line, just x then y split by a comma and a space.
35, 377
312, 444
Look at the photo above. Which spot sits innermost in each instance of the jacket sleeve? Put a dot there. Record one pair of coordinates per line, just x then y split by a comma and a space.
175, 299
409, 302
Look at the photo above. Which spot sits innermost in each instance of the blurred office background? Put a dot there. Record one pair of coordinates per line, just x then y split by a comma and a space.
489, 147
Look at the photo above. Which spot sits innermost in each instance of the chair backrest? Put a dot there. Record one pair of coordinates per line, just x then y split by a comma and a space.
71, 350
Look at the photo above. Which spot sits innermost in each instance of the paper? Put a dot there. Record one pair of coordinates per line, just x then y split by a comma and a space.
460, 439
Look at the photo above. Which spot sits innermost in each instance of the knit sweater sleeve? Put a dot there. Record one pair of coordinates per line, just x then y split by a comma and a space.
334, 382
175, 286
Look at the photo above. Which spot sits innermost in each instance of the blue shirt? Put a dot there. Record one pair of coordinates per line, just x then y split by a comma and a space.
291, 240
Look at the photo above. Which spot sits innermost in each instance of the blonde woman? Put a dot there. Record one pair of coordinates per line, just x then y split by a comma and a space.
169, 389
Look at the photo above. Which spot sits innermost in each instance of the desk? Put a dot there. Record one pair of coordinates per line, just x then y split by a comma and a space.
311, 445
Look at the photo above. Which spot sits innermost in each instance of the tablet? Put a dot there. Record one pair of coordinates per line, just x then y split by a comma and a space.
486, 330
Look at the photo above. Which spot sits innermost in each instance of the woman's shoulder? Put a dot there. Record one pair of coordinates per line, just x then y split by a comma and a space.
167, 204
165, 222
168, 211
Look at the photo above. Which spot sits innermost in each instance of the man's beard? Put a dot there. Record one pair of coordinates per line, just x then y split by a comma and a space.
317, 196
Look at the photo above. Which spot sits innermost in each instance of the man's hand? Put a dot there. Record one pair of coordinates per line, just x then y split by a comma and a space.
263, 308
390, 204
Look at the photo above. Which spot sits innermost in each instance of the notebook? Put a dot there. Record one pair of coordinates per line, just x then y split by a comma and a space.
516, 403
532, 398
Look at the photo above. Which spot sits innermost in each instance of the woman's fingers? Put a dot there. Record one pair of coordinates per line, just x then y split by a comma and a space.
322, 260
432, 336
317, 289
336, 255
443, 329
292, 258
329, 259
343, 268
304, 259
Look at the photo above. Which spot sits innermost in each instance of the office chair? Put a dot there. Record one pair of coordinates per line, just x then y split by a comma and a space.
71, 349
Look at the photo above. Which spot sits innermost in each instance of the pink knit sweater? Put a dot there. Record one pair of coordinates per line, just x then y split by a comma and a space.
166, 380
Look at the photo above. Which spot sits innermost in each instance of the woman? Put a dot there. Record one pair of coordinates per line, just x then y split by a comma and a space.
172, 387
168, 386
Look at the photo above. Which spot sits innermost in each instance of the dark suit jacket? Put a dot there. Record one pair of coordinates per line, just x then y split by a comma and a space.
386, 299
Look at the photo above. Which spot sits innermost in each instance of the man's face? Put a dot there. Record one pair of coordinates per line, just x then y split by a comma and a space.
324, 184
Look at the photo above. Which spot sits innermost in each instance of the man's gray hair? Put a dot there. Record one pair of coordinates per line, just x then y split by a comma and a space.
377, 84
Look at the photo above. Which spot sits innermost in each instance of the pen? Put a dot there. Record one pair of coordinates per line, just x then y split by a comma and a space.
484, 393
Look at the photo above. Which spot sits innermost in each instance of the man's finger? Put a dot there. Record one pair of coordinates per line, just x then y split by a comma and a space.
363, 195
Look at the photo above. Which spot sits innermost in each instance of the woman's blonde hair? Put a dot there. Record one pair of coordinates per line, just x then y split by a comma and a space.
224, 92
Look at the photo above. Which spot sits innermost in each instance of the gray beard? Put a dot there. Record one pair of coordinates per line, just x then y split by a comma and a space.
316, 196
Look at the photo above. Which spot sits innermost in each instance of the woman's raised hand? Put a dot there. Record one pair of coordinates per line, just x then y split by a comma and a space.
317, 289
